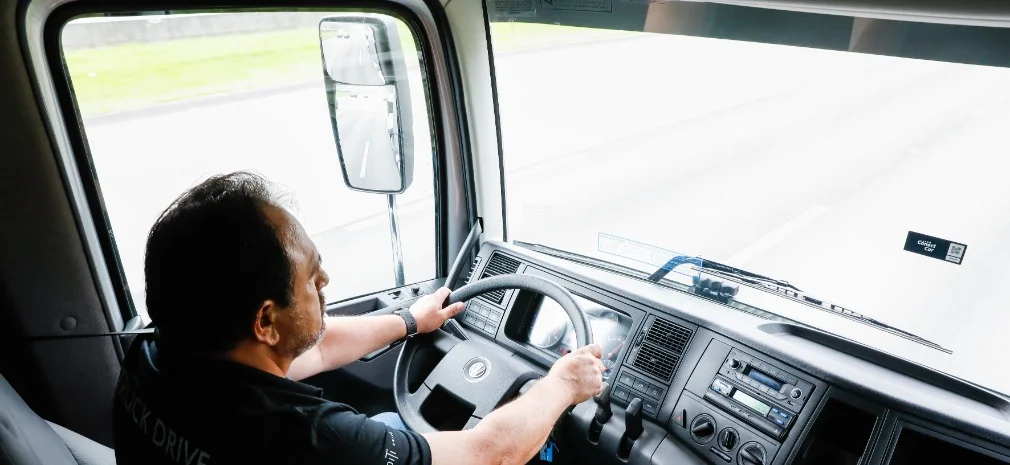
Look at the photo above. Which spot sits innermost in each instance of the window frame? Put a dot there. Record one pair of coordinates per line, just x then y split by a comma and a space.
450, 136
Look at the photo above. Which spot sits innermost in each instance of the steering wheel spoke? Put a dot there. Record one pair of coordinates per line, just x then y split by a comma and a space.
443, 341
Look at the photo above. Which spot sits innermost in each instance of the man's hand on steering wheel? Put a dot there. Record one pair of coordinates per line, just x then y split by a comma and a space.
429, 313
581, 371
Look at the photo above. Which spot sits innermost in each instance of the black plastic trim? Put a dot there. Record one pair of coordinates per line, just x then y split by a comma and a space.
497, 121
445, 254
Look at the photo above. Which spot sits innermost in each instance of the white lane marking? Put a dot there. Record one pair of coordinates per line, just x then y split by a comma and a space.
364, 161
748, 253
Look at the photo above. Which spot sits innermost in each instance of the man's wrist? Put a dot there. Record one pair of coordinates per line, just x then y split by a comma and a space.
555, 387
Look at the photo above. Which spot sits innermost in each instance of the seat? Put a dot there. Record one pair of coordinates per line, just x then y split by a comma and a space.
27, 439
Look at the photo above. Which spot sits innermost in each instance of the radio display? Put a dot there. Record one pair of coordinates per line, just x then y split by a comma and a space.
751, 402
763, 378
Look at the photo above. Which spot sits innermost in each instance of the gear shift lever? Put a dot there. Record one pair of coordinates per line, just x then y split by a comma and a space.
633, 427
603, 413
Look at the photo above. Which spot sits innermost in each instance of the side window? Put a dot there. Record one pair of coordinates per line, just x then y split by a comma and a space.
169, 100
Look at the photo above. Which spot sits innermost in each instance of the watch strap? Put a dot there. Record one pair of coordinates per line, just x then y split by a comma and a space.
408, 318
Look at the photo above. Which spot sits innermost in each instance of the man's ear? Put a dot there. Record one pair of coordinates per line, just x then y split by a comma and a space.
265, 325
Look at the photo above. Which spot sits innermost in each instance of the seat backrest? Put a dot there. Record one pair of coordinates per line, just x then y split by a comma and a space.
25, 438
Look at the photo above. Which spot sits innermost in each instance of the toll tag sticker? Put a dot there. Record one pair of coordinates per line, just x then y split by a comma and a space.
940, 249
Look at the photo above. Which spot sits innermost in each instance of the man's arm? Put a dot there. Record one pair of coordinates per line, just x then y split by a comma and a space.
514, 433
349, 338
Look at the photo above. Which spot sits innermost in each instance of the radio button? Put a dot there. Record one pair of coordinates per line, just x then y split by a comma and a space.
796, 393
780, 396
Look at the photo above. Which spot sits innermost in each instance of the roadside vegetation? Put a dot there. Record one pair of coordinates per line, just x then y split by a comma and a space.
128, 76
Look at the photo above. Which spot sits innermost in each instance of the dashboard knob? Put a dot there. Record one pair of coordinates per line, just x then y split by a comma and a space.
702, 429
734, 363
728, 439
753, 453
796, 393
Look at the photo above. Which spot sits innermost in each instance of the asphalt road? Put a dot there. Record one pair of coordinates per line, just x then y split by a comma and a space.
370, 158
804, 165
348, 58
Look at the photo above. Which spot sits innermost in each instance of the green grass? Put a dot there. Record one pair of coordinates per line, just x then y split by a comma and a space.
128, 76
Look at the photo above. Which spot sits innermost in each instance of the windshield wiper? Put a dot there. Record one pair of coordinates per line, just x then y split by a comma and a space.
716, 268
785, 289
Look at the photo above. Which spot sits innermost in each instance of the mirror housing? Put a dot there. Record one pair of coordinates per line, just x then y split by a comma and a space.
365, 73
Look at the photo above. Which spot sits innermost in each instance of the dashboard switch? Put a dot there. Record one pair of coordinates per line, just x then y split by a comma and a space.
626, 379
680, 419
721, 455
621, 393
650, 407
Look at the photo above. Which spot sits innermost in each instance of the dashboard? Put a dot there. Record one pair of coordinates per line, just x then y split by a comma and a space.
717, 385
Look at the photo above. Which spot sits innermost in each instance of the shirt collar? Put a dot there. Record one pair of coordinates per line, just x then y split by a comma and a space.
216, 369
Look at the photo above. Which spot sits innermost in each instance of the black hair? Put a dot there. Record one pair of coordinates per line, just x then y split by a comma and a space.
213, 258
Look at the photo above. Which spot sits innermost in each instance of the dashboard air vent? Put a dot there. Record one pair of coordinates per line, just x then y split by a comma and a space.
661, 348
499, 264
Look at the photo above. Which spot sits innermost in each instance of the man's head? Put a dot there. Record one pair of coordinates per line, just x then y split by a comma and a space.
227, 267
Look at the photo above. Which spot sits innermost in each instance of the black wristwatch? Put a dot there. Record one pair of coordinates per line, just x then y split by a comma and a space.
408, 318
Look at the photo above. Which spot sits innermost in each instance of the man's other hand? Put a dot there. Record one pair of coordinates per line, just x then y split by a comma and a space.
581, 371
429, 313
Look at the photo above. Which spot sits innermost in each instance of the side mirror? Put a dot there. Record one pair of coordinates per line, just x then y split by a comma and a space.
366, 88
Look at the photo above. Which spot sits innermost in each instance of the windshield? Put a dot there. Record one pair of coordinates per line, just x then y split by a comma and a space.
811, 164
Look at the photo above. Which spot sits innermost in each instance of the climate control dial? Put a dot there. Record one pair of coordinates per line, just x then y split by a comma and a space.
703, 429
753, 453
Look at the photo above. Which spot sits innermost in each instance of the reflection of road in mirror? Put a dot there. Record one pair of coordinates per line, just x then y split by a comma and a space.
370, 160
352, 59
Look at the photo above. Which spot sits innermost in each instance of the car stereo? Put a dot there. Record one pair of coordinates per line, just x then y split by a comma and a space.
758, 393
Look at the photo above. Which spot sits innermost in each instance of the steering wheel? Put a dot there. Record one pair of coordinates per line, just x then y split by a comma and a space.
476, 373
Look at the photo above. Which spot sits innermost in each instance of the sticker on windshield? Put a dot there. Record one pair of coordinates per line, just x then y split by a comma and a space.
940, 249
503, 10
599, 6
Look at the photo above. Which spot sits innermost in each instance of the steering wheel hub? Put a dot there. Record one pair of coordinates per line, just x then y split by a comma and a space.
478, 374
476, 369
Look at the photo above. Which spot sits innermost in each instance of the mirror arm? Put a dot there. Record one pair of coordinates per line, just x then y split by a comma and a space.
394, 234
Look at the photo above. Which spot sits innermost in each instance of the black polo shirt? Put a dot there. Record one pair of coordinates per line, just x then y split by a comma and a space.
201, 411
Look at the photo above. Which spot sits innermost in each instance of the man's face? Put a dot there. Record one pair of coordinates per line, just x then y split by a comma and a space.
302, 324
